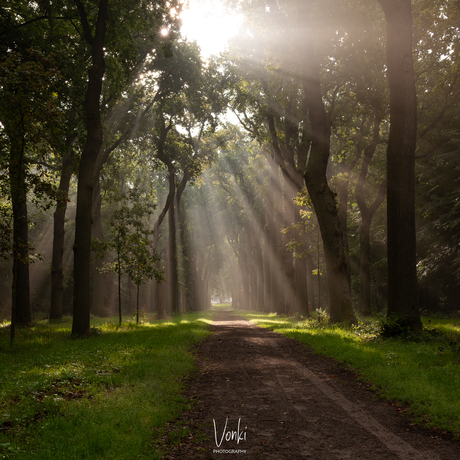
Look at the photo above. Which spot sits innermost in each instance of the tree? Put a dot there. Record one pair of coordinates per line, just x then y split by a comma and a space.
93, 143
179, 133
57, 264
236, 184
127, 53
437, 71
367, 213
132, 242
27, 112
296, 57
402, 275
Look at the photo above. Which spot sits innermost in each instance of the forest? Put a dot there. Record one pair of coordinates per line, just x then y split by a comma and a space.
311, 167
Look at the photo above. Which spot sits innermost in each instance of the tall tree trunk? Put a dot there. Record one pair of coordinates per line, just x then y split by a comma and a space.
343, 218
243, 260
345, 171
301, 280
119, 288
310, 282
137, 303
57, 263
94, 137
365, 266
193, 284
258, 289
160, 299
290, 285
402, 275
323, 199
274, 226
161, 285
252, 281
20, 309
181, 283
172, 269
367, 213
267, 262
100, 307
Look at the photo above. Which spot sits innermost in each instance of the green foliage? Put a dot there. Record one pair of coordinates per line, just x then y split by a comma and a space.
396, 326
29, 116
323, 316
439, 210
6, 218
131, 239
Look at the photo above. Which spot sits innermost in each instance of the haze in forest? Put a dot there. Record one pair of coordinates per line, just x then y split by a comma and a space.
125, 189
210, 24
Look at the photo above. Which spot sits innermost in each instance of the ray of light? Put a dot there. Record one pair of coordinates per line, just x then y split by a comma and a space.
210, 24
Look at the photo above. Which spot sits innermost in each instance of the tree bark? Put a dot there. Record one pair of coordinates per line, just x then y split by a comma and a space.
367, 213
258, 288
365, 266
86, 173
310, 282
343, 209
244, 263
99, 307
172, 269
156, 237
20, 309
288, 262
275, 197
324, 203
57, 263
181, 283
267, 261
402, 275
301, 280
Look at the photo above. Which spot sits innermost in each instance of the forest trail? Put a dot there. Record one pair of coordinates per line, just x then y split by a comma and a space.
261, 395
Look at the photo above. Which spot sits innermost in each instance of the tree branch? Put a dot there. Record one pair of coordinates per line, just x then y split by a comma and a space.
84, 22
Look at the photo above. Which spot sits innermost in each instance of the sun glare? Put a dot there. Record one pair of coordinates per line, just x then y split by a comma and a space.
210, 24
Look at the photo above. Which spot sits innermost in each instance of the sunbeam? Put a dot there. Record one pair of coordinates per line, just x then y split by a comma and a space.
210, 24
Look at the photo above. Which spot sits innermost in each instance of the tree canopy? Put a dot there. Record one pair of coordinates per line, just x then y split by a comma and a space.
312, 164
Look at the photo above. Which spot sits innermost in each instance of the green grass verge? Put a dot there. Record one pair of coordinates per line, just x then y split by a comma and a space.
103, 397
423, 373
221, 306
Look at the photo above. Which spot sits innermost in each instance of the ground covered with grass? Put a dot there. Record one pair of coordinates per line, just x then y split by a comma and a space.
101, 397
420, 372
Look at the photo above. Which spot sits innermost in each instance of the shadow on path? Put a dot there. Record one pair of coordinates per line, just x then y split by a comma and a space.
261, 395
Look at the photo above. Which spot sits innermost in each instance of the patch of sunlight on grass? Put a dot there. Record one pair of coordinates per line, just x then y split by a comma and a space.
221, 306
205, 320
98, 397
423, 372
166, 323
270, 321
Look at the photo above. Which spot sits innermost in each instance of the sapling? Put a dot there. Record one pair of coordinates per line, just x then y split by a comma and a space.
131, 241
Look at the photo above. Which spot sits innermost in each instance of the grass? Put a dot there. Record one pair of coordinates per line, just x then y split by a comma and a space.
221, 306
103, 397
422, 373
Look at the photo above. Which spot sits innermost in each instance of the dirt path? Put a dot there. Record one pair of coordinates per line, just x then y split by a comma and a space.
263, 396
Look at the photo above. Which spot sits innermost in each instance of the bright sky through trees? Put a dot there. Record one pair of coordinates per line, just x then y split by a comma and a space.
210, 24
